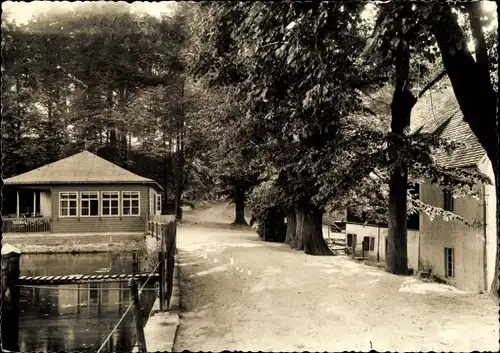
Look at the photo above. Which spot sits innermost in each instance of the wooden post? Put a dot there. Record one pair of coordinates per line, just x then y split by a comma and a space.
34, 203
139, 328
354, 241
161, 259
120, 297
17, 204
174, 227
170, 247
10, 298
99, 298
378, 245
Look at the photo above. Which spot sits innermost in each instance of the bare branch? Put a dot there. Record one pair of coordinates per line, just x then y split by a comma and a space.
431, 83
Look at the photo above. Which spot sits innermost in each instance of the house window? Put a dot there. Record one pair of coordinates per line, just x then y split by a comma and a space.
368, 243
110, 203
158, 204
448, 201
350, 238
89, 203
449, 262
130, 203
372, 243
68, 204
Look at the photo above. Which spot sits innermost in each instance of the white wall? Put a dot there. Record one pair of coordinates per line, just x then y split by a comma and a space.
380, 234
491, 219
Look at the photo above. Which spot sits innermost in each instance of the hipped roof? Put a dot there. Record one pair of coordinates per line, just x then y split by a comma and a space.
81, 168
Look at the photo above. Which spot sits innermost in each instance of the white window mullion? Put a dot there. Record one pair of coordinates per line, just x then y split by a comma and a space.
89, 201
68, 201
131, 203
108, 198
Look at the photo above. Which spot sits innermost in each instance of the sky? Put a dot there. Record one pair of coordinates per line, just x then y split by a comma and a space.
23, 11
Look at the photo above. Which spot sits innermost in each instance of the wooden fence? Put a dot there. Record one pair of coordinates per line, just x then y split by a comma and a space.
164, 228
26, 225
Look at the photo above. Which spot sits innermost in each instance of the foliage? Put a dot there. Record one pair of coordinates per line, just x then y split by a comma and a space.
296, 106
90, 80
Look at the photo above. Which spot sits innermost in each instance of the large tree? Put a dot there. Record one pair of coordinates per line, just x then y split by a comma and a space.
470, 75
285, 59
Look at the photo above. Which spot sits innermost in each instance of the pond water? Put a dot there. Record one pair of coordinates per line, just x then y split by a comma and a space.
78, 317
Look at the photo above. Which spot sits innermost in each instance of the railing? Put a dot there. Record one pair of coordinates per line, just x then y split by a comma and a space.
164, 228
26, 225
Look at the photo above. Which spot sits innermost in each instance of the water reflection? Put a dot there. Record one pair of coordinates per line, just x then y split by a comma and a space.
78, 317
72, 264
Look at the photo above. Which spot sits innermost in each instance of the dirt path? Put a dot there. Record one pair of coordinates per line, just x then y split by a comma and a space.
239, 293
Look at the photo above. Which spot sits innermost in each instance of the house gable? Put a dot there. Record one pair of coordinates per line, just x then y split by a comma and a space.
81, 168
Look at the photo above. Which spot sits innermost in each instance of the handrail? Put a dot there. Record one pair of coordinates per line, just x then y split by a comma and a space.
126, 311
26, 224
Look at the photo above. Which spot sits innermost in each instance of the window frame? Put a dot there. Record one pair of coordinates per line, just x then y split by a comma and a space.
98, 204
68, 200
152, 198
448, 202
138, 203
349, 239
371, 244
101, 203
158, 198
449, 252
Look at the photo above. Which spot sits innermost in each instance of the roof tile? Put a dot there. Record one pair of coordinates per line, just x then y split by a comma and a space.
433, 109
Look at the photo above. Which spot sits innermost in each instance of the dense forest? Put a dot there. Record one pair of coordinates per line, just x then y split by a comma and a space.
269, 105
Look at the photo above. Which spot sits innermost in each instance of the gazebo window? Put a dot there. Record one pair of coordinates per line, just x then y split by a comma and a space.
110, 203
89, 203
158, 203
130, 203
68, 204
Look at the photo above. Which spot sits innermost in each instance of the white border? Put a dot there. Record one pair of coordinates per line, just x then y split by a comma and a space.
119, 204
157, 210
77, 203
139, 204
98, 203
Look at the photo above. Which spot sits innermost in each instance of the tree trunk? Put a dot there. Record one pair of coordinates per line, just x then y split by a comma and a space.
291, 227
310, 230
239, 201
401, 106
180, 154
474, 93
165, 169
297, 241
178, 182
397, 257
168, 168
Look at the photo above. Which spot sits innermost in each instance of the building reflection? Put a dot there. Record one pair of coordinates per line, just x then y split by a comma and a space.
78, 317
70, 264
